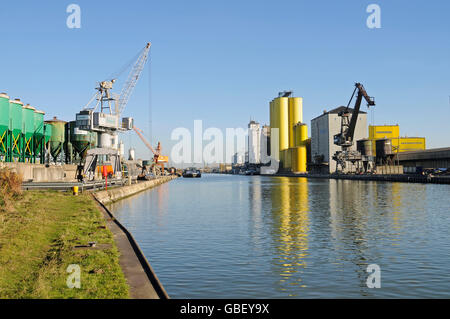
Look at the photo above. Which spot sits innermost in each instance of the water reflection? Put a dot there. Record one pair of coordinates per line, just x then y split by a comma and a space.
356, 218
289, 211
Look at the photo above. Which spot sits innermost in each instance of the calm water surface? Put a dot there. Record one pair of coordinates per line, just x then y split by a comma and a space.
226, 236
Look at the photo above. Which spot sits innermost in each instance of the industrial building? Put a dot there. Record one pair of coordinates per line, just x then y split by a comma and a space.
323, 129
254, 142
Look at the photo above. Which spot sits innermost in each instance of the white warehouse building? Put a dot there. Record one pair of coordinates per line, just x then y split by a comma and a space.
323, 129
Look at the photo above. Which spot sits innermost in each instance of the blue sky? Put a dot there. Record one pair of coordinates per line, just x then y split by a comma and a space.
223, 61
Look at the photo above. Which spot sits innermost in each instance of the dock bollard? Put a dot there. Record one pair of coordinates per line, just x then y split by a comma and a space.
75, 190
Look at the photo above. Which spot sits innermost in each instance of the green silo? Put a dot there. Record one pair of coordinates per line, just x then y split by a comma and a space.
5, 142
82, 141
28, 132
57, 137
15, 128
94, 139
68, 147
39, 140
47, 133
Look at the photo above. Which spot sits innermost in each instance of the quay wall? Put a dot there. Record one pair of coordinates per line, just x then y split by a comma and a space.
406, 178
41, 173
114, 194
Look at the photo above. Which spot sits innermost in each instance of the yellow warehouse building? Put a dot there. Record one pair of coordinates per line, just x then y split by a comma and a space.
399, 144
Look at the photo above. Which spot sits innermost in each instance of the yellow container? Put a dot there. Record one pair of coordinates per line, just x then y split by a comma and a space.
75, 190
295, 116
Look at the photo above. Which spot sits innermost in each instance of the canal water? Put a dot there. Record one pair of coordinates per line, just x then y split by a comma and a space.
228, 236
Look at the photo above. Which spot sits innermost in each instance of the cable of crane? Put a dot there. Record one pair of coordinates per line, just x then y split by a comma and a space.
90, 101
353, 95
125, 67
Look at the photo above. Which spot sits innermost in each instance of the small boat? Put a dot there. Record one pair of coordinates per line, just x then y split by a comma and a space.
250, 172
192, 172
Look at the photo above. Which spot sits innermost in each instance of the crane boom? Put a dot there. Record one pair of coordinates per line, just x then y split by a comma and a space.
370, 102
345, 137
132, 79
144, 140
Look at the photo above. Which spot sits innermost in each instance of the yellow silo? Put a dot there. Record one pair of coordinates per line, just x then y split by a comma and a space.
274, 135
295, 116
301, 159
297, 138
294, 161
283, 118
270, 122
282, 158
300, 133
301, 136
287, 159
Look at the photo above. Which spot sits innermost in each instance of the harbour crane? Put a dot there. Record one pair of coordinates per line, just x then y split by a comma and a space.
104, 122
344, 139
158, 159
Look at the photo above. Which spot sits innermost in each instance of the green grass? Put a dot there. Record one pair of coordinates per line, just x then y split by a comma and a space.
37, 240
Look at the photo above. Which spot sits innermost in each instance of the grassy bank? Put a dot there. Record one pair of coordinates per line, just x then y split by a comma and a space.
39, 231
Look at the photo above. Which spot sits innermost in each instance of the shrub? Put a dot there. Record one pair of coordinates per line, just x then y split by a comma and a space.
10, 188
